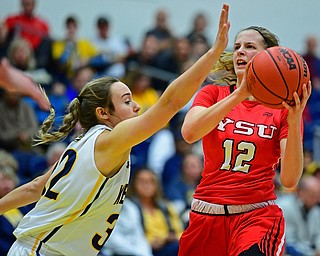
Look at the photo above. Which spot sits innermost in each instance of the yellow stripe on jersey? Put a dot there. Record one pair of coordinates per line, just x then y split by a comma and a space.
36, 243
91, 195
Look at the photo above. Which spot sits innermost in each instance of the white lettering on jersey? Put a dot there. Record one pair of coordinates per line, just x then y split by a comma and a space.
262, 131
247, 128
222, 125
244, 128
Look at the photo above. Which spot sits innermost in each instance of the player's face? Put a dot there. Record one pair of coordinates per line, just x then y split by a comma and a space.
125, 106
247, 44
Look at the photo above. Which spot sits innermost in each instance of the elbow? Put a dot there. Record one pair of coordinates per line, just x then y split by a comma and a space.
34, 190
289, 183
188, 136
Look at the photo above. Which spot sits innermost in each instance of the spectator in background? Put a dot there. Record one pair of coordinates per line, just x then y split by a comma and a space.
146, 96
173, 165
181, 189
302, 218
198, 30
311, 57
18, 126
162, 30
149, 59
32, 28
71, 53
311, 114
178, 56
160, 219
198, 47
18, 123
9, 220
142, 91
128, 237
112, 51
21, 56
81, 76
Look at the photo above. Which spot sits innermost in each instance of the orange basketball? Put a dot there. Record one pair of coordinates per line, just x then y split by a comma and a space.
274, 74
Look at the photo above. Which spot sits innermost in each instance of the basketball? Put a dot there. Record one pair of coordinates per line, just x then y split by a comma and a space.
275, 74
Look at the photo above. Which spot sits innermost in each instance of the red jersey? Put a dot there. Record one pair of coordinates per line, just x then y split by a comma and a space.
33, 29
242, 153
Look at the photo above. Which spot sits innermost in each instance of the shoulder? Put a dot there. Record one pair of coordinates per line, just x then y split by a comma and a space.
210, 94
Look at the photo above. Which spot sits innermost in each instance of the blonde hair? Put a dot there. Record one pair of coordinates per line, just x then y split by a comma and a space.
223, 70
22, 43
95, 93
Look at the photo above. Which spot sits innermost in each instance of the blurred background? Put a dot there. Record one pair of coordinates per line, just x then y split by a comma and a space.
63, 44
291, 20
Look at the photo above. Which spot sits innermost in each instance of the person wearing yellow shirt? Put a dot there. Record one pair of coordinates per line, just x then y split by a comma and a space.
160, 219
71, 52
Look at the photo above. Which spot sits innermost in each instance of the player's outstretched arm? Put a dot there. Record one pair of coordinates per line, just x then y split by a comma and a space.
25, 194
14, 80
177, 94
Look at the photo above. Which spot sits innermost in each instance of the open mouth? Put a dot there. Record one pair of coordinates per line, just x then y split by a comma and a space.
241, 63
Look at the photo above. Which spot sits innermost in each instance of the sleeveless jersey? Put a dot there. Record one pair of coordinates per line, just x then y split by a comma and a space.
242, 153
79, 207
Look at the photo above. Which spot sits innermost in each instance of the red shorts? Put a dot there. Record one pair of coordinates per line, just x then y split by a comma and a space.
231, 235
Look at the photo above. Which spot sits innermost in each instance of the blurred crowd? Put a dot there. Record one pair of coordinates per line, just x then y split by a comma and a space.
165, 169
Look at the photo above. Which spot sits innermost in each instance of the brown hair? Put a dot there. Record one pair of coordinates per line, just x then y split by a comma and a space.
223, 71
95, 93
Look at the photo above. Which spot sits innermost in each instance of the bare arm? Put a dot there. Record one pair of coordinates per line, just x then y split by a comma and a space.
178, 93
25, 194
199, 121
14, 80
292, 147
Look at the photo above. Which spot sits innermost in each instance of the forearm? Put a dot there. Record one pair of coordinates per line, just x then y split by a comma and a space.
25, 194
185, 86
198, 123
21, 196
292, 159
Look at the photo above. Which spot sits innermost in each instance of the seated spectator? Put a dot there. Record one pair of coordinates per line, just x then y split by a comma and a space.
10, 219
18, 123
302, 217
34, 29
128, 236
149, 59
18, 126
71, 52
21, 56
80, 77
160, 220
198, 29
112, 51
161, 30
173, 164
180, 191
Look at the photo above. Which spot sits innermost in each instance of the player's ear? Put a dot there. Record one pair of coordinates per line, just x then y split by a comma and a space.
102, 114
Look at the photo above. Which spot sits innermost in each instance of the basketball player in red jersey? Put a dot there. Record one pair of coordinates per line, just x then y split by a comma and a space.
233, 211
